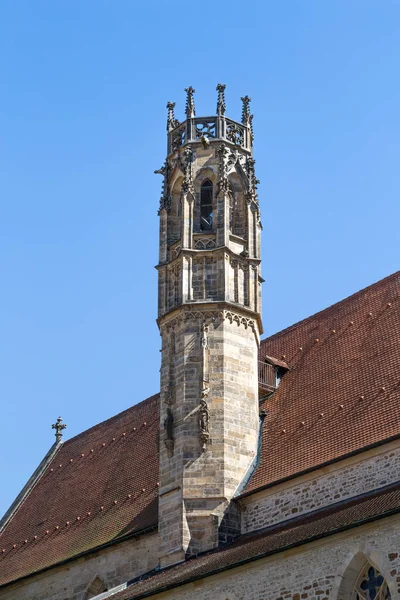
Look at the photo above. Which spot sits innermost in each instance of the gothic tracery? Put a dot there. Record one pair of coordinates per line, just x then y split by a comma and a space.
371, 585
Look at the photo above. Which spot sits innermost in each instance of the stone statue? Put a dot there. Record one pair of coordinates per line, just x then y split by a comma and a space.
169, 425
169, 433
204, 417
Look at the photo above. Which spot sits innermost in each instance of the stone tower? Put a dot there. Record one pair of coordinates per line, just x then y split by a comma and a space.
209, 315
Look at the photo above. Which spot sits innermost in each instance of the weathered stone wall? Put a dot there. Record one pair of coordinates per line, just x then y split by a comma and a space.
323, 570
208, 284
207, 277
199, 474
114, 565
320, 489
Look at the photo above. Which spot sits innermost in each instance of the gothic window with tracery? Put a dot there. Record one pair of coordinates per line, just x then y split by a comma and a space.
206, 205
371, 585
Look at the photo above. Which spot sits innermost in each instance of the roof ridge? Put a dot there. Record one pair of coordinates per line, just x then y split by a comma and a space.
332, 306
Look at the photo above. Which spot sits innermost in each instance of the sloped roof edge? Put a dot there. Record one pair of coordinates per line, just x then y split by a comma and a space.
32, 481
119, 540
243, 494
325, 522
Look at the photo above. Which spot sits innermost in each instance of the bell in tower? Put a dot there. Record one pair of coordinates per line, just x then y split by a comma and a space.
209, 315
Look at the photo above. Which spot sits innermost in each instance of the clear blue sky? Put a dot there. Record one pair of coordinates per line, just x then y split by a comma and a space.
82, 127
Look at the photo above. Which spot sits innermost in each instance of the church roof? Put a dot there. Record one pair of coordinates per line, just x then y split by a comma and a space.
340, 395
283, 536
342, 390
101, 486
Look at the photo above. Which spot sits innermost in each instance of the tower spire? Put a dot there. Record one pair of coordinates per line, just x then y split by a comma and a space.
221, 106
246, 110
190, 109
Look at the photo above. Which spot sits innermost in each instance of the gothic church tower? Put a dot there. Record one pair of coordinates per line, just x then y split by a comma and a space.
209, 315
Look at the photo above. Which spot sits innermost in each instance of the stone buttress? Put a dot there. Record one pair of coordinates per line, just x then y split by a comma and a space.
209, 315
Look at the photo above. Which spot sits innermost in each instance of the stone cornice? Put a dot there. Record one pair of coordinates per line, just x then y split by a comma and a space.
211, 311
208, 253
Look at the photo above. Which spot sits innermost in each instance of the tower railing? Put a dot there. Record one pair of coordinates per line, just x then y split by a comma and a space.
219, 127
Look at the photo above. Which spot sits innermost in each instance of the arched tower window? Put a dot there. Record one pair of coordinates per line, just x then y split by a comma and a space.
206, 205
237, 207
370, 585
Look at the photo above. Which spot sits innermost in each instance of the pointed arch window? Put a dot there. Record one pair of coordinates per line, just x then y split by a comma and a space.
206, 205
371, 585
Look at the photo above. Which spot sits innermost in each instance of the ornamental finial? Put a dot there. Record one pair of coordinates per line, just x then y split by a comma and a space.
190, 110
221, 106
58, 426
251, 129
246, 110
171, 121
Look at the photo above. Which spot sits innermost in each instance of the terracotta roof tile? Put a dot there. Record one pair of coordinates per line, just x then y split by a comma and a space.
356, 355
270, 541
100, 486
342, 391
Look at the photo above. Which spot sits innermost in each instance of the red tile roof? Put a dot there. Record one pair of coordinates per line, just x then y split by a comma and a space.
342, 391
100, 487
275, 539
341, 394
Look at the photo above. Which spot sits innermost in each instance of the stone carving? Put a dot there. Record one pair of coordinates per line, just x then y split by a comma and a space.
251, 174
234, 133
171, 121
178, 137
58, 426
239, 319
204, 417
204, 337
161, 170
165, 200
204, 244
186, 166
221, 106
213, 316
169, 432
234, 157
251, 129
223, 182
190, 109
246, 110
205, 129
205, 142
